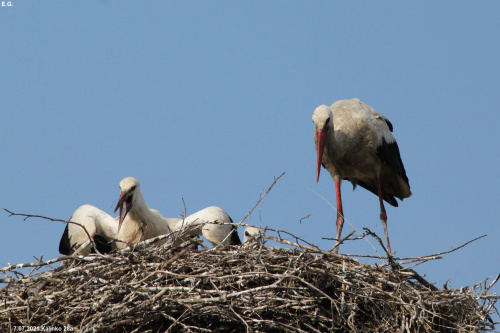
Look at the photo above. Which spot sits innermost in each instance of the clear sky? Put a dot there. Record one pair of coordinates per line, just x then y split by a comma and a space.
209, 101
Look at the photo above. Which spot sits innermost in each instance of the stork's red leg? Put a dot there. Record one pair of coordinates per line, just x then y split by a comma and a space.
340, 214
383, 214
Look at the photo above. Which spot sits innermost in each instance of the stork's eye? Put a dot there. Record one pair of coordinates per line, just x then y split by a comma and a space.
133, 187
327, 124
247, 233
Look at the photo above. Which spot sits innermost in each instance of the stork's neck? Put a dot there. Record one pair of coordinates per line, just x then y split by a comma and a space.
140, 209
149, 221
134, 223
331, 129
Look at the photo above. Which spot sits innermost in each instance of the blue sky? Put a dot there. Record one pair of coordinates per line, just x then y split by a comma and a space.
209, 101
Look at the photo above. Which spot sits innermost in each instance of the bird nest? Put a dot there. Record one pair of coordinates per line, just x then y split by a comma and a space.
249, 288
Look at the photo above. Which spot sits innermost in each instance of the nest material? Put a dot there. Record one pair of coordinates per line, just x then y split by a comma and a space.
235, 289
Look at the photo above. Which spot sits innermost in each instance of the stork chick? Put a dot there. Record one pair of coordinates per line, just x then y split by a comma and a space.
137, 222
101, 226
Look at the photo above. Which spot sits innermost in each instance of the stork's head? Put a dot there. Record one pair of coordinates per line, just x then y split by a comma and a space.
128, 188
322, 118
252, 234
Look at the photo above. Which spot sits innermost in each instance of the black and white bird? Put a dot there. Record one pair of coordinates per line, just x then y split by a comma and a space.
141, 223
252, 234
101, 226
213, 223
137, 222
355, 143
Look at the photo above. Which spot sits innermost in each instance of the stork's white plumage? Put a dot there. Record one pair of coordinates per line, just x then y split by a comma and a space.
211, 222
137, 222
101, 226
355, 143
252, 234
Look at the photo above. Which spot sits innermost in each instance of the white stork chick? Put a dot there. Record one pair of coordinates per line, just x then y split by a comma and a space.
252, 234
355, 143
101, 226
212, 223
137, 222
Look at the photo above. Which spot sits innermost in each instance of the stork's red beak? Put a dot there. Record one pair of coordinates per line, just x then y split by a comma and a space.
124, 204
321, 137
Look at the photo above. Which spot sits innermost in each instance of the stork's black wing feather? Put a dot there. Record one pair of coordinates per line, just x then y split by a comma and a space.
390, 199
235, 239
64, 243
388, 153
389, 124
102, 244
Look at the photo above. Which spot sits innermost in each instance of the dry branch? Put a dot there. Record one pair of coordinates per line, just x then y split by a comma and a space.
235, 289
27, 216
248, 288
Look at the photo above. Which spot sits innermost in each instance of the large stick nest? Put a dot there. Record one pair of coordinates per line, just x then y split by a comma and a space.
234, 289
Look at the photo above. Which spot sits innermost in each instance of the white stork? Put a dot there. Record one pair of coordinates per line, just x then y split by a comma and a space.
101, 226
252, 234
355, 143
138, 222
211, 222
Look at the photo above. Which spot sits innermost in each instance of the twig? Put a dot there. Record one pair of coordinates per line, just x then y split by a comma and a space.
379, 240
306, 247
459, 247
27, 216
262, 197
305, 217
341, 241
491, 285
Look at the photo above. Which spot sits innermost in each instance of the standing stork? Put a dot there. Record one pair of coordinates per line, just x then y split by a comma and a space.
354, 142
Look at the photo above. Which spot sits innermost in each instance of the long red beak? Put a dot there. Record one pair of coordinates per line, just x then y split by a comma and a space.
321, 137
